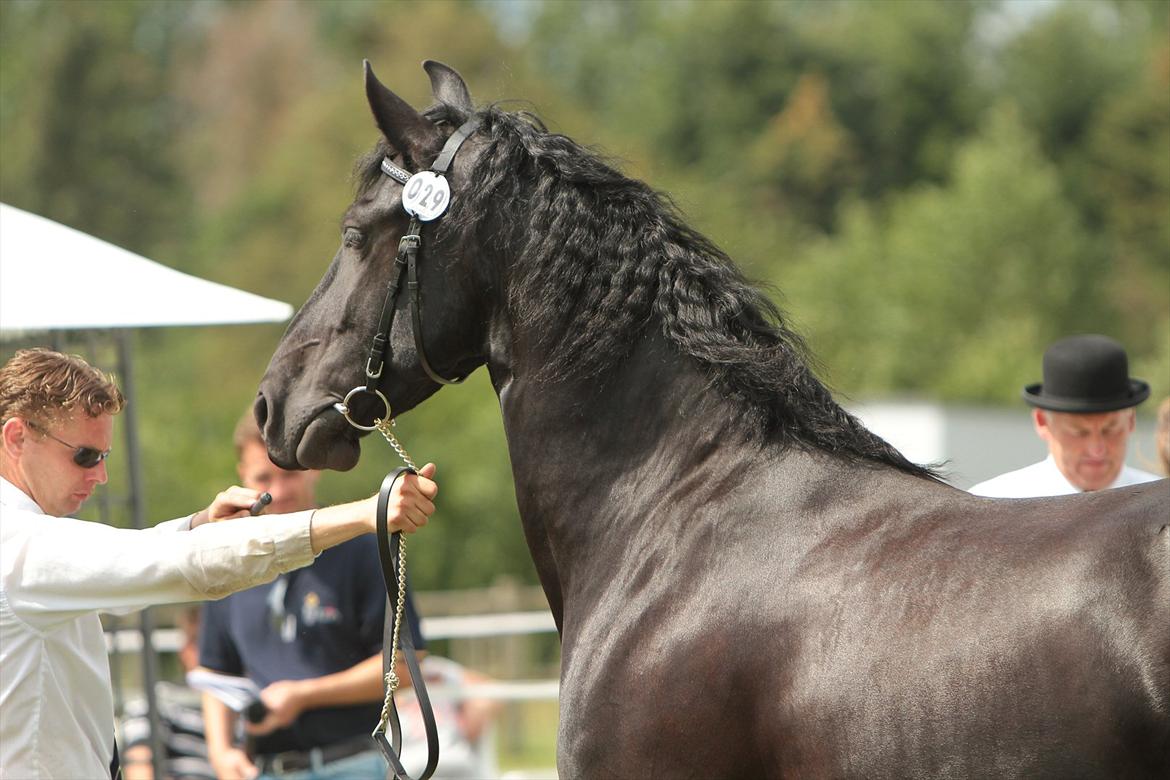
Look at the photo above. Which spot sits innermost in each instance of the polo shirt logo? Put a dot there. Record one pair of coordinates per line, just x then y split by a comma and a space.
313, 613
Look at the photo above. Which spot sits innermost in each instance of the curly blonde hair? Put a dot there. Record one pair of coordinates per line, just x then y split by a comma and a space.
44, 387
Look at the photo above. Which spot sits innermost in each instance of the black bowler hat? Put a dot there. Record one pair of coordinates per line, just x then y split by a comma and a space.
1086, 374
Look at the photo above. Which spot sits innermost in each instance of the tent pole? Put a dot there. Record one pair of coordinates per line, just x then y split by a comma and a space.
146, 620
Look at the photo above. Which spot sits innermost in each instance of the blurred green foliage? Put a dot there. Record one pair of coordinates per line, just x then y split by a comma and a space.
937, 190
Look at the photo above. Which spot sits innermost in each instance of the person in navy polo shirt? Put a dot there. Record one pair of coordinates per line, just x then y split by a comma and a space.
312, 642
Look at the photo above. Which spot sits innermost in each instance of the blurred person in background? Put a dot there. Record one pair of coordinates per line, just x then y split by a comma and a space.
180, 715
1084, 412
310, 640
462, 720
56, 573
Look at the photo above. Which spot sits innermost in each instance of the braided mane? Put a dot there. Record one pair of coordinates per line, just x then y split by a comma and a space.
598, 258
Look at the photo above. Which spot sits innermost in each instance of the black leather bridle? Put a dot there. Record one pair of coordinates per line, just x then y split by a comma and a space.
406, 262
407, 259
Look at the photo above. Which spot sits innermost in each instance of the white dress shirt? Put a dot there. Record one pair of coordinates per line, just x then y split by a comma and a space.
1044, 479
56, 699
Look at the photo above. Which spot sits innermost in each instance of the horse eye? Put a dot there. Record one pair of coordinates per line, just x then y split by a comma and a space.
354, 238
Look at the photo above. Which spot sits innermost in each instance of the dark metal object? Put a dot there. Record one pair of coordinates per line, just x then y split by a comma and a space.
146, 620
258, 507
255, 712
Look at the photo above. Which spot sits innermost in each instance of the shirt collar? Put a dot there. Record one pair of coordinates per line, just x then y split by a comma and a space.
11, 495
1057, 474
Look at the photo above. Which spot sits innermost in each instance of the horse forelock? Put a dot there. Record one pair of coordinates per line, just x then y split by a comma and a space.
597, 258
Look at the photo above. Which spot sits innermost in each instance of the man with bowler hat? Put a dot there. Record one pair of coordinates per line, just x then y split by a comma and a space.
1084, 411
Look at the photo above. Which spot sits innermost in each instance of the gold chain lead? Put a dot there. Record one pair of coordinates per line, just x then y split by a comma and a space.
384, 427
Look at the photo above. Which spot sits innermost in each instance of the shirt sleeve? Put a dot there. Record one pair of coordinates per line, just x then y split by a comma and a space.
171, 526
54, 569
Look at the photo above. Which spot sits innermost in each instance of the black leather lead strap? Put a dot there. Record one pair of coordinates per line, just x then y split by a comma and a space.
387, 544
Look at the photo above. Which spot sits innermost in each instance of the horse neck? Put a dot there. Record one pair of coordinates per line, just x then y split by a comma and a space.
593, 460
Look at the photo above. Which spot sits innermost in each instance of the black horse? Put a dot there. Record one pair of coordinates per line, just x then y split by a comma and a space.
747, 582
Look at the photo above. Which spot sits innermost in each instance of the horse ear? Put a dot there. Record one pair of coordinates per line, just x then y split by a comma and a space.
448, 86
406, 129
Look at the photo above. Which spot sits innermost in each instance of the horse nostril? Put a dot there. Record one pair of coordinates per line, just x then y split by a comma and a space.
260, 411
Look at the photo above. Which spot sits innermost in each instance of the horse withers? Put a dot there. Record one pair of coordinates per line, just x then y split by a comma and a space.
747, 582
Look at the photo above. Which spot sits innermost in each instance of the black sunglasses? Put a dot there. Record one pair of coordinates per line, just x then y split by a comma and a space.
86, 457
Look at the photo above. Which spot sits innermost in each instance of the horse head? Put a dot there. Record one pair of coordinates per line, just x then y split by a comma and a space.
327, 350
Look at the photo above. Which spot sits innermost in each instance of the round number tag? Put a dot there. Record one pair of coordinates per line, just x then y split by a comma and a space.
426, 195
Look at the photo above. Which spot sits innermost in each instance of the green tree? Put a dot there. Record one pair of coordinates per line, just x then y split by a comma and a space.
903, 83
804, 161
953, 290
88, 123
701, 82
695, 80
1128, 160
1062, 71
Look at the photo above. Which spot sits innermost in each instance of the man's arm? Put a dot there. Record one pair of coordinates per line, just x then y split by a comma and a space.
68, 567
229, 761
287, 699
359, 684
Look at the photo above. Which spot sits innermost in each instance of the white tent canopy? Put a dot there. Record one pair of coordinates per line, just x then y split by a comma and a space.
53, 277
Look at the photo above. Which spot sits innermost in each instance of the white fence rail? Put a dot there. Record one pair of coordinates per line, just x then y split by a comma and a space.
169, 640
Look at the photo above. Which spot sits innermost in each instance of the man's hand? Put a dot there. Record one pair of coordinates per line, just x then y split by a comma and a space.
284, 702
231, 503
407, 510
412, 501
234, 764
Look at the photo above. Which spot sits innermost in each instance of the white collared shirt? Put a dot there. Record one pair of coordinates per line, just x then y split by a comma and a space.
56, 574
1044, 479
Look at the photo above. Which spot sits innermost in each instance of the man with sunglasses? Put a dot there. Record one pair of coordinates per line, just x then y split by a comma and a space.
57, 573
